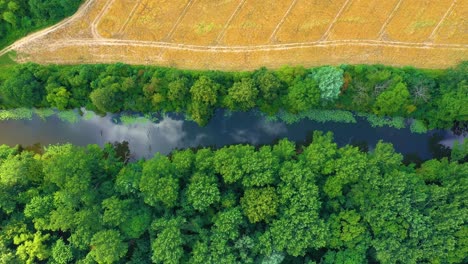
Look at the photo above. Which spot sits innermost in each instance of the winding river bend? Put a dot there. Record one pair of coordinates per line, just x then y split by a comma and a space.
173, 132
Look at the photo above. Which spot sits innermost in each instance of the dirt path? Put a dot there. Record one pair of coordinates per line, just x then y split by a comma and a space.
97, 20
80, 13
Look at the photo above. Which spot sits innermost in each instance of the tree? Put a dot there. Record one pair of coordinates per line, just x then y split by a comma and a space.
17, 174
330, 80
259, 204
393, 101
303, 95
128, 179
137, 223
59, 98
298, 226
61, 253
460, 151
105, 100
167, 246
204, 97
450, 106
228, 162
290, 74
107, 246
205, 91
178, 92
269, 84
158, 182
260, 168
203, 191
116, 211
242, 95
32, 247
24, 89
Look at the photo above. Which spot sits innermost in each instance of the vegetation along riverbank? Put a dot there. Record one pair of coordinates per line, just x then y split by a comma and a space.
436, 97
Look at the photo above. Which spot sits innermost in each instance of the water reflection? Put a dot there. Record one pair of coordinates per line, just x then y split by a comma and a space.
173, 132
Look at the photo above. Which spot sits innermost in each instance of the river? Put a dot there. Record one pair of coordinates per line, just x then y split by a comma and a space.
173, 132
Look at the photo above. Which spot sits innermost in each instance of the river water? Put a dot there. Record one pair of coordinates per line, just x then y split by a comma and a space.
173, 132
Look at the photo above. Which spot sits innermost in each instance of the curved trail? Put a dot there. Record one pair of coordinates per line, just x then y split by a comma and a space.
81, 11
94, 25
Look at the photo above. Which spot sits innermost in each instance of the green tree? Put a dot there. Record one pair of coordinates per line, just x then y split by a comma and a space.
203, 191
205, 91
298, 226
61, 253
23, 89
32, 247
167, 246
260, 168
450, 106
107, 246
178, 94
242, 95
393, 101
303, 95
105, 100
330, 80
228, 162
59, 98
158, 182
269, 84
260, 204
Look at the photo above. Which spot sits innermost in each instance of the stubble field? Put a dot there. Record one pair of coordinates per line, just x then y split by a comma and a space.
246, 34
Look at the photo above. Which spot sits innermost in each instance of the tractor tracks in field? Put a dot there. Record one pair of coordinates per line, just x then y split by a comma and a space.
239, 49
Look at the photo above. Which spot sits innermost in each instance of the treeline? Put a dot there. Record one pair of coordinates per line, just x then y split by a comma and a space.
239, 204
19, 17
438, 98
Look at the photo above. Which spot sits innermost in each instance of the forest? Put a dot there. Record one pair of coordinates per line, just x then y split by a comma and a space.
436, 97
19, 17
314, 203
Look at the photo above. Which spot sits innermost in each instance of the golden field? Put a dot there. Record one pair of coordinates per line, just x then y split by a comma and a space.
247, 34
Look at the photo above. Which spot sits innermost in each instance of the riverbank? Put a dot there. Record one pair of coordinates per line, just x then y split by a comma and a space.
435, 97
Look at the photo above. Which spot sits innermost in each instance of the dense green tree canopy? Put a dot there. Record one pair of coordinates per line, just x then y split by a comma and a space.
240, 204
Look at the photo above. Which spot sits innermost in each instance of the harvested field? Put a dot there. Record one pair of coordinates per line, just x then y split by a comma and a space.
255, 22
414, 21
111, 24
361, 19
155, 20
309, 20
454, 28
204, 22
247, 34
